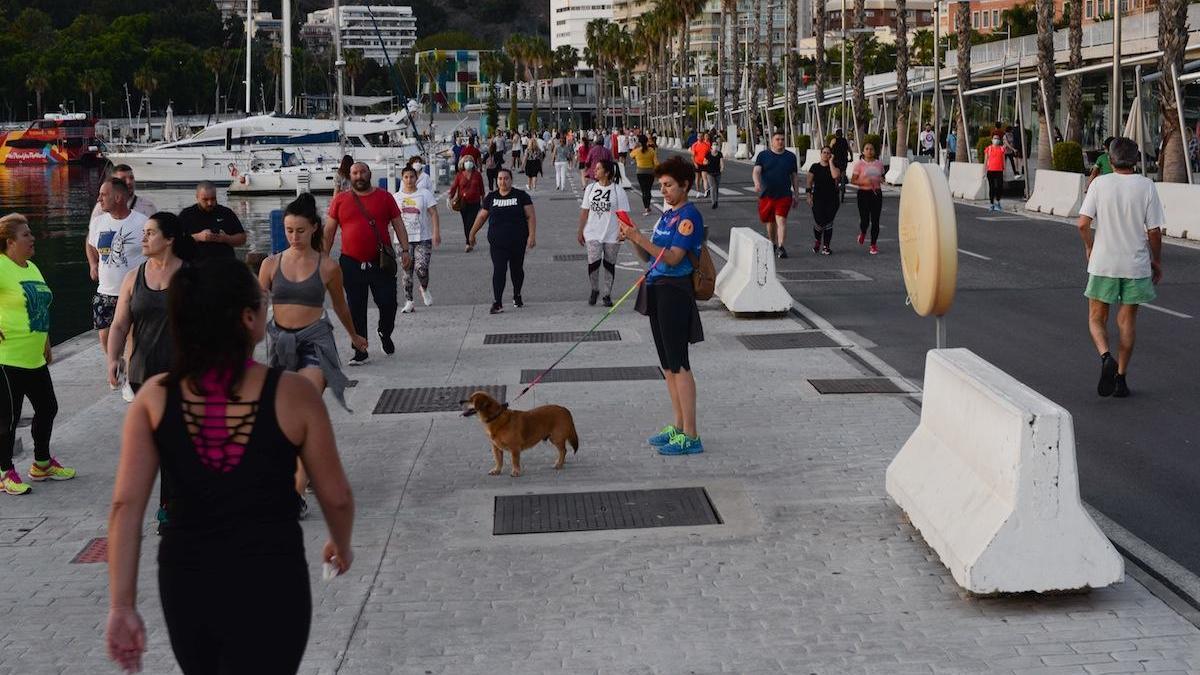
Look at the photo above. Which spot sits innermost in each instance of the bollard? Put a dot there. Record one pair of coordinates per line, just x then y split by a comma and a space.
278, 238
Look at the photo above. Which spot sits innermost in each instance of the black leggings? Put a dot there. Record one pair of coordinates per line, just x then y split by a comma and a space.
491, 176
19, 384
468, 213
645, 182
264, 630
510, 257
995, 186
870, 205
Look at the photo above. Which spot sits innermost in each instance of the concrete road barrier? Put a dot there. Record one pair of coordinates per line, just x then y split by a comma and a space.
743, 151
747, 283
810, 157
989, 478
1056, 192
968, 181
1181, 203
895, 173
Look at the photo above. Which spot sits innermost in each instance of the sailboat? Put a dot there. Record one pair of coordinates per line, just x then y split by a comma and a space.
228, 152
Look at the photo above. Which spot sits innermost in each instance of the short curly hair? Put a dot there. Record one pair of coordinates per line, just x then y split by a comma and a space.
678, 169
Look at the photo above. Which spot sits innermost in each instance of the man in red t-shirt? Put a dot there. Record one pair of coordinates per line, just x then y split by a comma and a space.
700, 160
364, 214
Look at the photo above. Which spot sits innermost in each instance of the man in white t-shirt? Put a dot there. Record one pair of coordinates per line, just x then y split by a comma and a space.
927, 140
116, 237
598, 226
1124, 257
418, 210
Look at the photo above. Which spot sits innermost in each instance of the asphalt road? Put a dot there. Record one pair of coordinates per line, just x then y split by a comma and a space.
1020, 306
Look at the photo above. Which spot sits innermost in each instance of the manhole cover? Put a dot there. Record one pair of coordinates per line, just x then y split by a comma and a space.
12, 529
595, 374
787, 340
857, 385
432, 399
822, 275
618, 510
570, 257
95, 551
538, 338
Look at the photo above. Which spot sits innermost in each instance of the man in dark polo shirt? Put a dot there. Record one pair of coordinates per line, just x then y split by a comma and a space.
215, 228
364, 213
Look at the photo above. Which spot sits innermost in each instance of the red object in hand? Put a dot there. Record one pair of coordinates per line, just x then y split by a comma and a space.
623, 216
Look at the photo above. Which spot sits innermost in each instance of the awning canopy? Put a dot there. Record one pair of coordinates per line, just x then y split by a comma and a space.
365, 101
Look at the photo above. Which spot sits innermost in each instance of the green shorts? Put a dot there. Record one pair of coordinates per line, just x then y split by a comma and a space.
1112, 291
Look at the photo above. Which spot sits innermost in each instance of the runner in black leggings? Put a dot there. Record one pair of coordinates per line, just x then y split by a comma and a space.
226, 432
512, 229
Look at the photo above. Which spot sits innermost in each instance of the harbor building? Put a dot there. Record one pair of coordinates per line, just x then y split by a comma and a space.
374, 30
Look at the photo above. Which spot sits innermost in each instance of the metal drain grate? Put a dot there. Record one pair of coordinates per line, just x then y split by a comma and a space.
787, 340
13, 529
570, 257
539, 338
618, 510
857, 385
432, 399
822, 275
595, 374
95, 551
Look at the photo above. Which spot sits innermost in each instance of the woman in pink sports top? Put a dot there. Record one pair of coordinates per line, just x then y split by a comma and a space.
868, 176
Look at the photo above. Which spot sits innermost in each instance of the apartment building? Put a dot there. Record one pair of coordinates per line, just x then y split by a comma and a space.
569, 20
376, 30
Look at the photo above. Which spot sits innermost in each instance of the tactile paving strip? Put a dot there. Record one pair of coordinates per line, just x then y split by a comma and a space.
595, 374
857, 385
95, 551
797, 340
540, 338
616, 510
432, 399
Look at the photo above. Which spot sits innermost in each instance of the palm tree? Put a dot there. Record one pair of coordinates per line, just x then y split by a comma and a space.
902, 78
1049, 86
1172, 40
1074, 88
819, 75
355, 63
859, 94
146, 80
565, 60
491, 65
769, 66
752, 80
645, 36
537, 56
38, 81
514, 46
793, 63
962, 20
596, 53
624, 59
730, 8
91, 81
429, 66
216, 60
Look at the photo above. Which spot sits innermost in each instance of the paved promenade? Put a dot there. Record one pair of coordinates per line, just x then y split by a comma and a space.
813, 570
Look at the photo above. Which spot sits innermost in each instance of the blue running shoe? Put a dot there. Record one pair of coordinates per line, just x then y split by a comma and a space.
682, 445
663, 437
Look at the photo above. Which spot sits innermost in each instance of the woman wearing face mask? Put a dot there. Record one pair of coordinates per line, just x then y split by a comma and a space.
467, 188
868, 176
424, 182
993, 159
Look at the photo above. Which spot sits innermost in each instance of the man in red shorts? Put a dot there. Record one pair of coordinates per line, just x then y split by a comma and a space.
776, 179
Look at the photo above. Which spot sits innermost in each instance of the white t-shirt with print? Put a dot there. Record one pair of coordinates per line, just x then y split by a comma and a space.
119, 243
602, 203
1123, 207
414, 211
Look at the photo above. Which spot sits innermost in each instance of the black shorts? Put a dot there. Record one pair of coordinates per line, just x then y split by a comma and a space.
674, 323
104, 309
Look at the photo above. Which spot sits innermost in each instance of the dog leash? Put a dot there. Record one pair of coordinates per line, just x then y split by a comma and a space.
623, 216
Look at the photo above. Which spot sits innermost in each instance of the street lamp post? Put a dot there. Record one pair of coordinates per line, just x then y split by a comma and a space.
937, 81
843, 103
1115, 98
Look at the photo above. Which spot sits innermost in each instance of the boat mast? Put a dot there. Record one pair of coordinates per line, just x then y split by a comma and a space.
287, 57
340, 64
249, 45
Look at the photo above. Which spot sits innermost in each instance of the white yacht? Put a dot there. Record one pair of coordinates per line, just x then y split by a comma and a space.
222, 152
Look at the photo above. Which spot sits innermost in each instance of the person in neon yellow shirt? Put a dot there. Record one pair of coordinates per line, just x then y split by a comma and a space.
25, 357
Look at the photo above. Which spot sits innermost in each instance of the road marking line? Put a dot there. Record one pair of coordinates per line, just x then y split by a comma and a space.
973, 255
1164, 310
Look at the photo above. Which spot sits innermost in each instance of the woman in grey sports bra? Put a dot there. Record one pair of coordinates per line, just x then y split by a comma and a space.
297, 280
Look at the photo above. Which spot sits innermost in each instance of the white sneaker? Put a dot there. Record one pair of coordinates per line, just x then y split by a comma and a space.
127, 393
407, 308
426, 297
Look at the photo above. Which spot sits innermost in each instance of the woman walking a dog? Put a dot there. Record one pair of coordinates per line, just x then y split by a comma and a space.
668, 299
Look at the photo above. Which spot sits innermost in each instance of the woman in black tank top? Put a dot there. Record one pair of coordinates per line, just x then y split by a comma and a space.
226, 432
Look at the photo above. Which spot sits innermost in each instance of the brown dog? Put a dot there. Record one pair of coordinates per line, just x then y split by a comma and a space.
517, 430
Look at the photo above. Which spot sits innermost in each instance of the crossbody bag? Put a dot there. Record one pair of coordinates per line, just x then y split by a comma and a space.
384, 253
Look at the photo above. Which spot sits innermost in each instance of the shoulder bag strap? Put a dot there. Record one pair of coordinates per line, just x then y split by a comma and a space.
370, 220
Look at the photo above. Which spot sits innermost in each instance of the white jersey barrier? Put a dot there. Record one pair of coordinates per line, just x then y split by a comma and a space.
743, 151
810, 157
1056, 192
1181, 204
989, 479
747, 283
895, 174
968, 181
